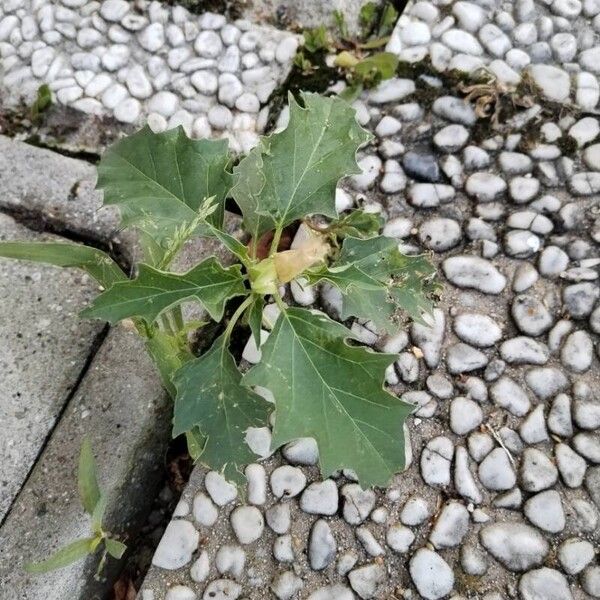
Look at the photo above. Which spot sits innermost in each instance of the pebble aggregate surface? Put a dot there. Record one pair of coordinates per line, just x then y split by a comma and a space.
145, 62
501, 496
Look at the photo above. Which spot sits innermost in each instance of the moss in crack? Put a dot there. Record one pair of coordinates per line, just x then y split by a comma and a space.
425, 93
413, 70
482, 130
567, 144
527, 88
530, 136
531, 133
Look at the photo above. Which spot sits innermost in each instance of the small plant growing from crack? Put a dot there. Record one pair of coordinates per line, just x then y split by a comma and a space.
93, 501
320, 381
359, 59
42, 102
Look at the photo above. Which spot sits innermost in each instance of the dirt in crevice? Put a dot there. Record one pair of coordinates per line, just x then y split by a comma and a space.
176, 471
233, 9
318, 79
63, 130
35, 221
84, 155
508, 102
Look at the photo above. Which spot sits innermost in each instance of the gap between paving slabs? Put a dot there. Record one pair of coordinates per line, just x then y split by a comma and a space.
120, 402
121, 406
45, 351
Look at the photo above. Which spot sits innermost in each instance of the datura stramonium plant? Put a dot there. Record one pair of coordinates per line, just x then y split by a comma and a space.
321, 382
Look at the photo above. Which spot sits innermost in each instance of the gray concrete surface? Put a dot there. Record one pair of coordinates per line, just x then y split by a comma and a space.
121, 406
54, 191
44, 348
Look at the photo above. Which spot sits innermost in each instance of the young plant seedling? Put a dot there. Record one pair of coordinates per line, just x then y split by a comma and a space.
94, 503
324, 384
360, 59
41, 103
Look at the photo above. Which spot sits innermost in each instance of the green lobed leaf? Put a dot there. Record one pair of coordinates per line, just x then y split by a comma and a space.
294, 173
372, 304
115, 548
96, 263
410, 279
329, 390
159, 180
232, 244
358, 223
65, 556
195, 443
87, 478
376, 68
153, 291
376, 280
209, 396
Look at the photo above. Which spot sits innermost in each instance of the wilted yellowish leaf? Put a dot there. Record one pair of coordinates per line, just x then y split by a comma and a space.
291, 263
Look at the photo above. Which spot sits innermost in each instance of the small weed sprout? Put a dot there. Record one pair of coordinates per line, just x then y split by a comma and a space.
93, 501
360, 59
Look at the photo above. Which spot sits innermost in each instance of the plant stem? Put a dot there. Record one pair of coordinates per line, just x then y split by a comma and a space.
143, 328
275, 242
166, 323
177, 316
280, 302
253, 247
236, 315
267, 323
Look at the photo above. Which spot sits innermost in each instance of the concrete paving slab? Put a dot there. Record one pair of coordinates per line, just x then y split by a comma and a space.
54, 191
70, 131
44, 349
121, 406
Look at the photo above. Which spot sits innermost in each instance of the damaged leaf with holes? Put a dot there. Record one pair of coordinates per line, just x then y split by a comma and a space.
314, 377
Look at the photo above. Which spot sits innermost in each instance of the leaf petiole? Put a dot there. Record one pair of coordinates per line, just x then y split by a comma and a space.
177, 317
276, 240
236, 315
280, 303
166, 324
